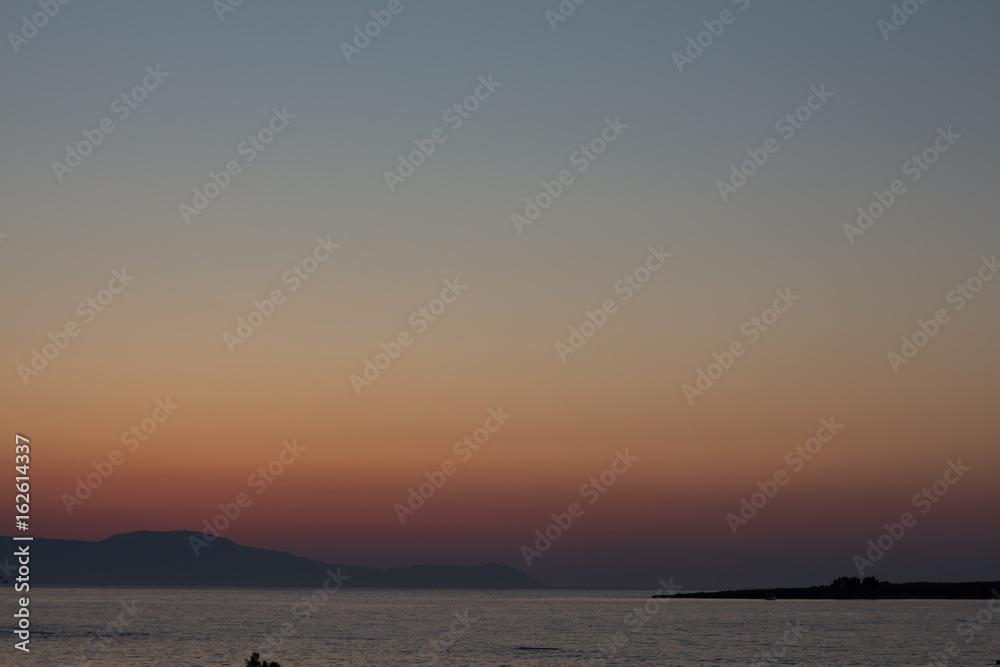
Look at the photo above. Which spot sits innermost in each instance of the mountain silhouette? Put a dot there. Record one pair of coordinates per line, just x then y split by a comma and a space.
148, 558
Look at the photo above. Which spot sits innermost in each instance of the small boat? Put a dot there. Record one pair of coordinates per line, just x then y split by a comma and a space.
771, 596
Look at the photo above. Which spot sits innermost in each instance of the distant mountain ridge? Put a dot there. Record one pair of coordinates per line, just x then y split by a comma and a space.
149, 558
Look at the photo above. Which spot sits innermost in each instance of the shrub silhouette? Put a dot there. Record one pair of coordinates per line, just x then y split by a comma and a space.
846, 582
255, 661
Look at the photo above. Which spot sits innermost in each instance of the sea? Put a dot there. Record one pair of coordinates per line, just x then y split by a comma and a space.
135, 627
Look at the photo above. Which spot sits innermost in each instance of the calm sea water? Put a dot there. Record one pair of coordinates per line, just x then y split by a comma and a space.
139, 626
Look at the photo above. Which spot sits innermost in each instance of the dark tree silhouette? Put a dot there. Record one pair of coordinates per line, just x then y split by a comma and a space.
847, 582
255, 661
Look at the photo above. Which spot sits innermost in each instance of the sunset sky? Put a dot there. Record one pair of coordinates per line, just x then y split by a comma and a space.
495, 346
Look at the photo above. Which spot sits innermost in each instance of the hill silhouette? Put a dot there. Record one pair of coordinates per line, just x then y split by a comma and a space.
148, 558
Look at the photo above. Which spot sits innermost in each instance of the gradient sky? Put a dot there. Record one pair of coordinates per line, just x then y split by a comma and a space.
495, 346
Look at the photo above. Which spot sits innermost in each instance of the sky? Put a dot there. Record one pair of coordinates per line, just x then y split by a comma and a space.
630, 143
